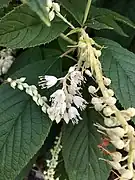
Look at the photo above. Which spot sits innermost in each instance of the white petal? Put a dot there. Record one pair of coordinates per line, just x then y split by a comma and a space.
13, 84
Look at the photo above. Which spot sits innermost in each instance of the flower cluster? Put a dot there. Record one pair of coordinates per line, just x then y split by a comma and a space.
31, 90
53, 162
118, 131
65, 101
6, 60
52, 9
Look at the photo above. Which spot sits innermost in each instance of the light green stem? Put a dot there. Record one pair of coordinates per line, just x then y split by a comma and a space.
87, 11
63, 36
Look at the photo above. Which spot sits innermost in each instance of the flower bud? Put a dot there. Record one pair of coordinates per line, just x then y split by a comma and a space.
110, 101
92, 89
51, 15
126, 174
110, 92
88, 73
116, 156
56, 7
111, 122
119, 144
49, 3
107, 81
118, 131
108, 111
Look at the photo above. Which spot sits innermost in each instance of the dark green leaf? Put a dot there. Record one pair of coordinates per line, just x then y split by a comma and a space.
4, 3
77, 9
119, 64
80, 151
102, 16
23, 127
39, 7
22, 28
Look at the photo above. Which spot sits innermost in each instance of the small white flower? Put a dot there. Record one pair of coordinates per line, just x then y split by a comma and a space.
107, 81
66, 117
20, 86
13, 84
110, 101
79, 102
88, 73
47, 81
74, 115
49, 3
98, 107
29, 91
108, 111
96, 100
51, 15
92, 89
9, 80
110, 92
56, 7
71, 69
22, 79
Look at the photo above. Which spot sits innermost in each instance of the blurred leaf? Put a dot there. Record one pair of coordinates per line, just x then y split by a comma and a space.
39, 7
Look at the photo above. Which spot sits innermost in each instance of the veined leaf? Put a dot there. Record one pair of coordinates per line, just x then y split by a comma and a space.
108, 18
22, 28
23, 126
39, 7
75, 8
119, 64
80, 151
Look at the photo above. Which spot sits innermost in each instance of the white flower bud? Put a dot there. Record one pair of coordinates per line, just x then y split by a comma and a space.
131, 111
108, 111
49, 3
51, 15
92, 89
110, 122
13, 84
22, 79
20, 86
117, 131
110, 92
116, 156
107, 81
96, 100
56, 7
88, 73
126, 174
115, 165
98, 53
71, 69
98, 107
110, 101
9, 80
118, 143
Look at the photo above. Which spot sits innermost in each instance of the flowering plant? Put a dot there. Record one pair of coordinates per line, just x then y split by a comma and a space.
67, 91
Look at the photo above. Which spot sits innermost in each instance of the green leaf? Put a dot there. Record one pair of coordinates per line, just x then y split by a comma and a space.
39, 7
119, 64
76, 9
22, 28
4, 3
94, 24
109, 18
80, 151
23, 127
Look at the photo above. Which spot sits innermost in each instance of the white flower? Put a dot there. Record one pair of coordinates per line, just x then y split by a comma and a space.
110, 92
92, 89
51, 15
56, 7
108, 111
76, 77
107, 81
74, 115
88, 73
49, 3
66, 117
58, 105
79, 102
96, 100
71, 69
110, 101
20, 86
47, 81
13, 84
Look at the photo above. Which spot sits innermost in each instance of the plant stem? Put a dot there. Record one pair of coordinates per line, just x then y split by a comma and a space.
63, 36
87, 11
